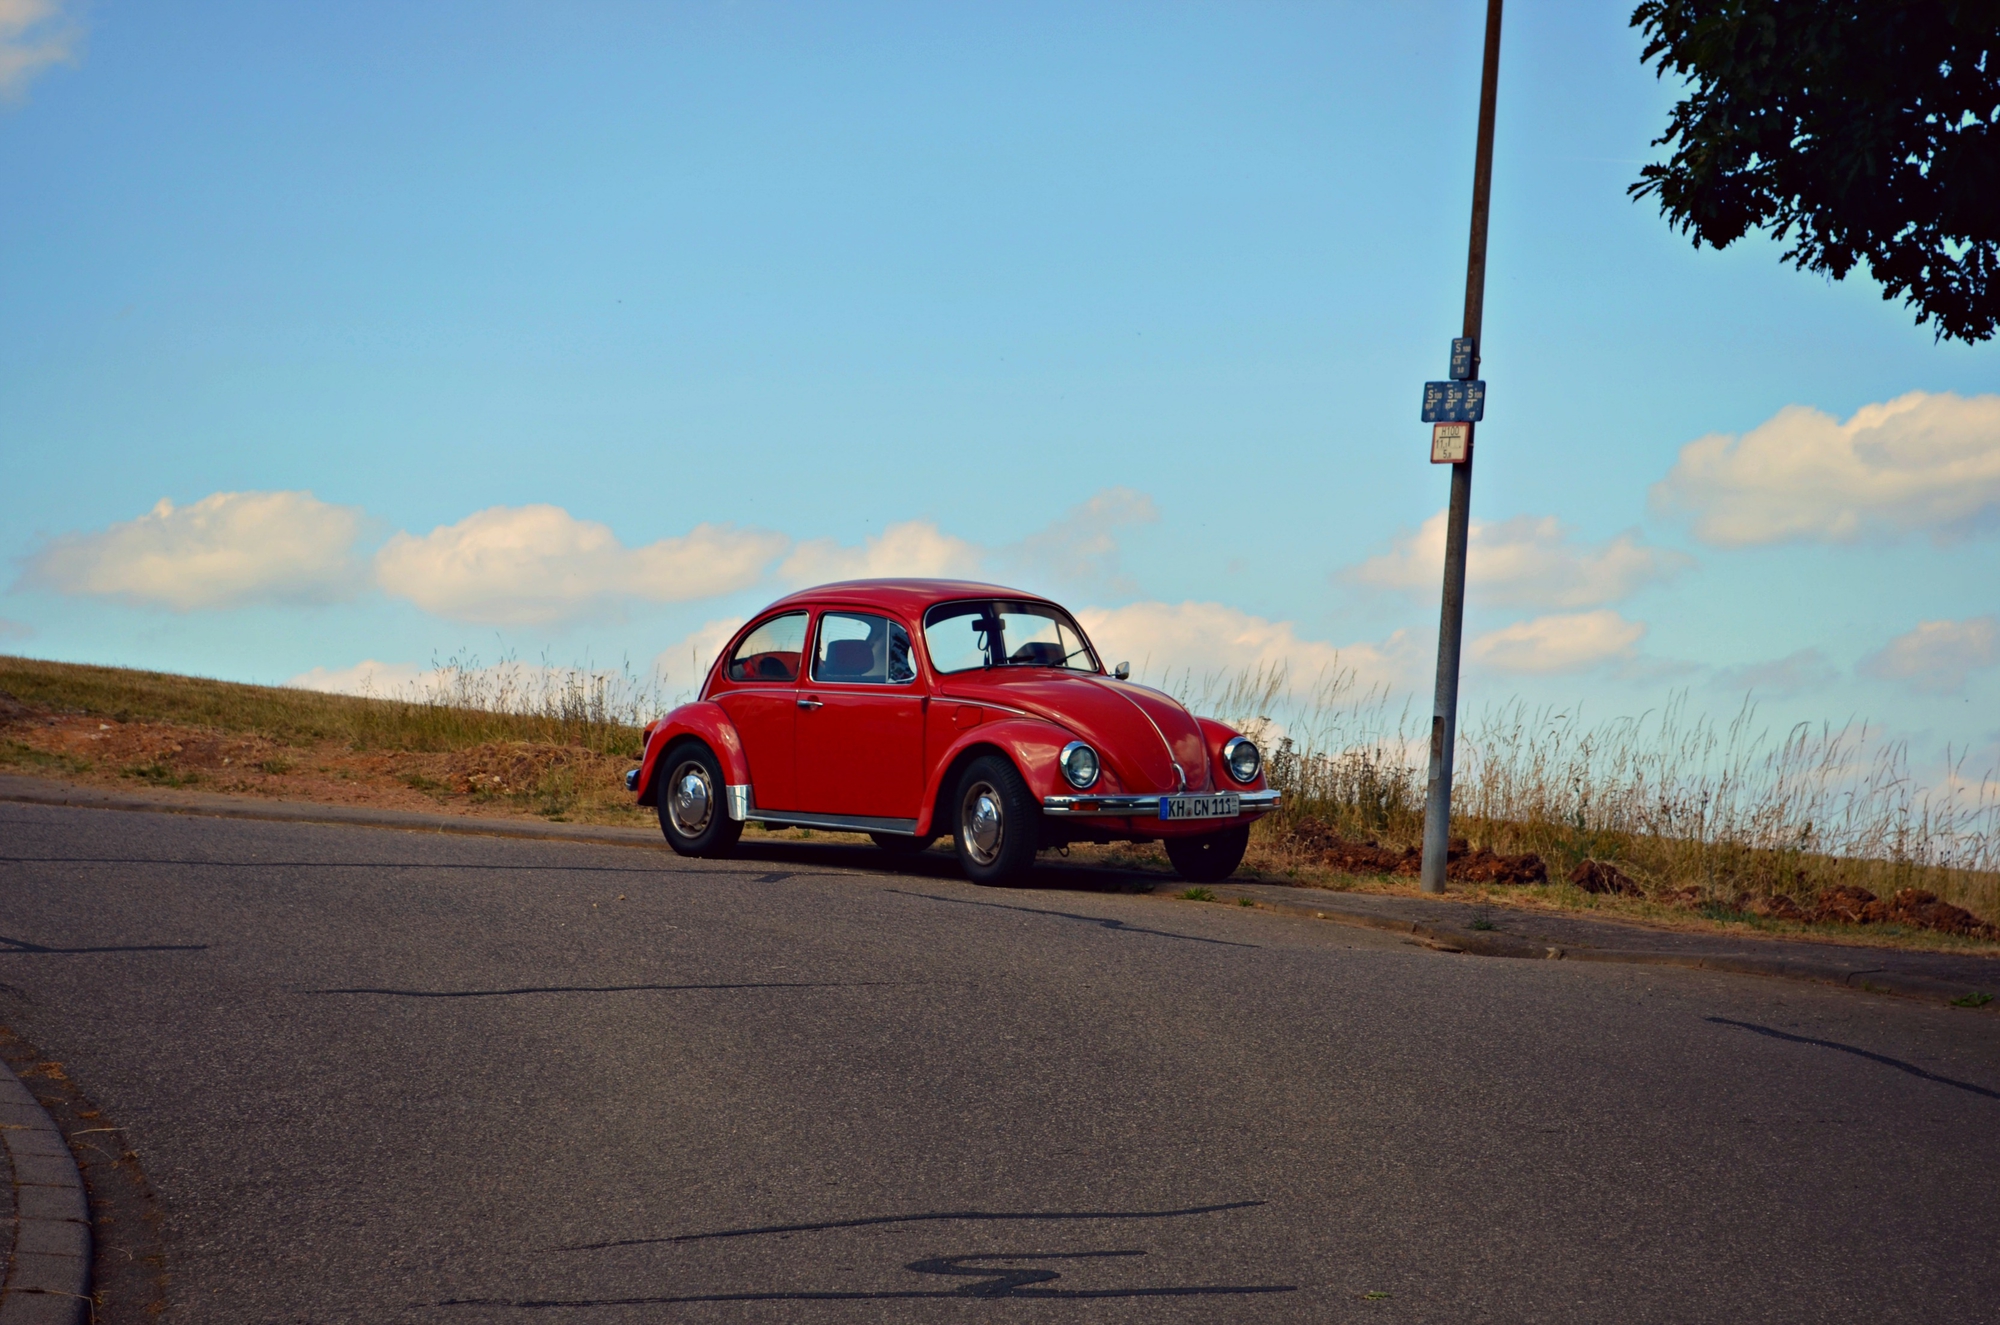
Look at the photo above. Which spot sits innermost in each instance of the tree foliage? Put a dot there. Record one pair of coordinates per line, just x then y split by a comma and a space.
1860, 131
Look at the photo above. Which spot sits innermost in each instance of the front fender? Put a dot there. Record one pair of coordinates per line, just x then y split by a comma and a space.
705, 721
1032, 743
1215, 735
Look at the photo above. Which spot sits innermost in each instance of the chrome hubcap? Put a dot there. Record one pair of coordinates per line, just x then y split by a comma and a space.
983, 822
690, 799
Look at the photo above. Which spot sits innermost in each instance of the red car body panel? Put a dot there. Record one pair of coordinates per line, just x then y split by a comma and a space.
891, 752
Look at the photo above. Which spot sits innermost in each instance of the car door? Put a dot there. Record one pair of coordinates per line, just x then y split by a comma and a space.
760, 694
860, 728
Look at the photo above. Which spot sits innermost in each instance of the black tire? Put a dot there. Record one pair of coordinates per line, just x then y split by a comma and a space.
1210, 858
996, 824
897, 844
695, 821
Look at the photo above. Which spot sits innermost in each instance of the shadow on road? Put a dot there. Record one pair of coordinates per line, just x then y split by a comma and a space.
1883, 1059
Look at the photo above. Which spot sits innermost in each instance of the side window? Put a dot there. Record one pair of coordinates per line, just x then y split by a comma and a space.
772, 651
859, 648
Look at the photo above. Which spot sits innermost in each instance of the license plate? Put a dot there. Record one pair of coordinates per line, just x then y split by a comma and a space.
1226, 806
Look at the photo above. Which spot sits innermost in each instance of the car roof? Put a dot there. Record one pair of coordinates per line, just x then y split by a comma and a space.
910, 597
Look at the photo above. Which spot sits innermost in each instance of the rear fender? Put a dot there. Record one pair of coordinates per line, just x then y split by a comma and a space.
706, 722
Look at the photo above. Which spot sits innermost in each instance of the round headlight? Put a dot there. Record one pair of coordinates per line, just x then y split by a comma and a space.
1079, 764
1243, 760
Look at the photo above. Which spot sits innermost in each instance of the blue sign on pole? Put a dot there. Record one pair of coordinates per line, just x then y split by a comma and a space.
1454, 402
1464, 361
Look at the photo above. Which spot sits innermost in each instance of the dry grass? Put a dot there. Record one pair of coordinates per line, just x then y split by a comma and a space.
508, 741
1732, 813
461, 706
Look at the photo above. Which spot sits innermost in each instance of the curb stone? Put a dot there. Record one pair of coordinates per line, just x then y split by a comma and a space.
47, 1271
1800, 963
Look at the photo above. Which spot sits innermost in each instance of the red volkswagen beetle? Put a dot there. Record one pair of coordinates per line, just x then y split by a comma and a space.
907, 709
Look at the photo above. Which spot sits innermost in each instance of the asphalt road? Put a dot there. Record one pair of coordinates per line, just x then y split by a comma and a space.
383, 1076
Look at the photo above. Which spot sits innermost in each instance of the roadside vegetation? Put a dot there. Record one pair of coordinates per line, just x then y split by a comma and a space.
1661, 814
1665, 817
546, 742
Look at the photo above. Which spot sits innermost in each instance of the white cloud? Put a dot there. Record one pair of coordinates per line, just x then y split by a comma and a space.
1081, 545
682, 665
226, 550
1919, 463
1209, 638
34, 34
1529, 561
379, 680
916, 548
1936, 657
1565, 642
1780, 678
535, 565
13, 630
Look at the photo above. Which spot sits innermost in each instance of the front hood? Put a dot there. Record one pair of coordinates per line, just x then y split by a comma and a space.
1139, 732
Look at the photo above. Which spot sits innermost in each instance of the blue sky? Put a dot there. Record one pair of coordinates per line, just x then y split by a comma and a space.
589, 327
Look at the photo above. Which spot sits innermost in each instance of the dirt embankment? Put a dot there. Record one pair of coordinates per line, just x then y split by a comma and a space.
506, 778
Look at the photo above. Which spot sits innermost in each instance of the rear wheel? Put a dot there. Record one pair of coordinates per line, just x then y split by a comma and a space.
897, 844
996, 822
689, 797
1210, 858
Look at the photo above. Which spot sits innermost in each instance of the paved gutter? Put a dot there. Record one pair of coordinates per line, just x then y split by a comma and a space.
1445, 923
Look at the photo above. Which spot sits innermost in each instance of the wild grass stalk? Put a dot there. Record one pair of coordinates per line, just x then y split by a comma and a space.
1672, 797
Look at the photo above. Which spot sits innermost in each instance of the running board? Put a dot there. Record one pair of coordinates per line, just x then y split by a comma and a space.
841, 823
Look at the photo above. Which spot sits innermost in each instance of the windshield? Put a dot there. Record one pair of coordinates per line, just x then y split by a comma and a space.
963, 637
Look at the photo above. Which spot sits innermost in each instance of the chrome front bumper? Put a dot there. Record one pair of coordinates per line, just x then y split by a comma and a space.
1148, 807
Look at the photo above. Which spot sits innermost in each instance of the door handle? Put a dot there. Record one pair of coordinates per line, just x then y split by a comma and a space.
810, 704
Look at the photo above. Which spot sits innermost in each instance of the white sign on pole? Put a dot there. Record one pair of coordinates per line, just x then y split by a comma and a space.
1451, 443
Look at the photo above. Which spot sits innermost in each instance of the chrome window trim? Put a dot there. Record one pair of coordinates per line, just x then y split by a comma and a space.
1250, 802
924, 625
720, 672
819, 626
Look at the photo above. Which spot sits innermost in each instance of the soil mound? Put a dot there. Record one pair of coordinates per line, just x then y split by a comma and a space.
1850, 905
1596, 876
1462, 862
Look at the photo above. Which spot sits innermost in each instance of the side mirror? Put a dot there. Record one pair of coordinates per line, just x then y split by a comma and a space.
1123, 671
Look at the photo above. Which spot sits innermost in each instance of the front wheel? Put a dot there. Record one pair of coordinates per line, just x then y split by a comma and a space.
997, 823
1210, 858
689, 797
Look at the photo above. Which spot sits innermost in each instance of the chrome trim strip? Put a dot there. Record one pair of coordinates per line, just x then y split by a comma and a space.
736, 799
1165, 744
1252, 802
846, 823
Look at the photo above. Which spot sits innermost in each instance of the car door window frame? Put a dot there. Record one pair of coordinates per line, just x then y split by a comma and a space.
810, 672
805, 652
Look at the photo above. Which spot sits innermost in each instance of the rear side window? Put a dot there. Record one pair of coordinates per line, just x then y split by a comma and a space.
860, 648
772, 651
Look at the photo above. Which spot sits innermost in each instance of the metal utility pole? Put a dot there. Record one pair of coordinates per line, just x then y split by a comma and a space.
1444, 714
